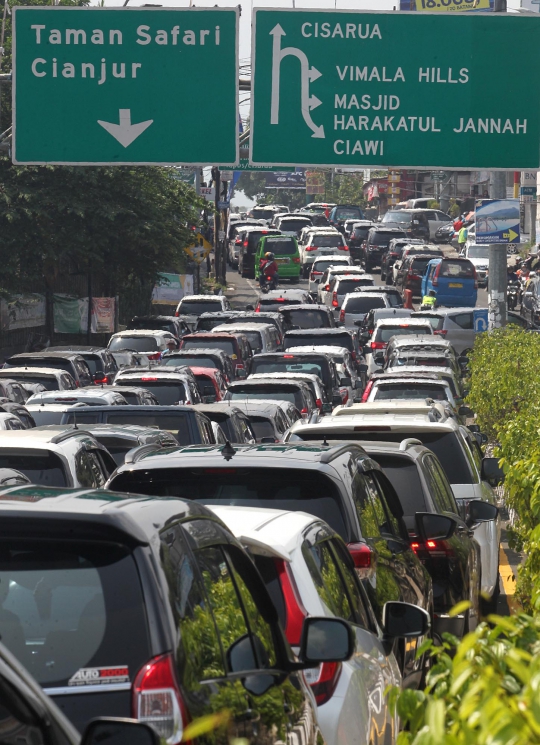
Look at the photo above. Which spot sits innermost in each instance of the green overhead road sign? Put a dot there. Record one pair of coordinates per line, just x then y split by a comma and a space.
123, 86
339, 88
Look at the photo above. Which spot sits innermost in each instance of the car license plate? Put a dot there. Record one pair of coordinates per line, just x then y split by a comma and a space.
455, 284
282, 261
326, 252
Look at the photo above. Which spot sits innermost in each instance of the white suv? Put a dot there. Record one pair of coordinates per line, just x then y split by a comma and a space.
319, 242
454, 445
151, 344
319, 266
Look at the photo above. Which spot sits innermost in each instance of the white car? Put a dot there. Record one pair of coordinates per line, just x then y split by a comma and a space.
194, 305
324, 292
478, 255
308, 572
318, 242
454, 445
319, 266
151, 344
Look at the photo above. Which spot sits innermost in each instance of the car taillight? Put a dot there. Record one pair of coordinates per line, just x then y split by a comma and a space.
294, 610
363, 559
148, 378
367, 391
343, 248
342, 316
156, 699
176, 313
311, 248
319, 403
239, 366
323, 680
326, 288
258, 308
442, 332
245, 243
296, 260
100, 381
378, 345
335, 300
435, 280
155, 356
432, 549
304, 411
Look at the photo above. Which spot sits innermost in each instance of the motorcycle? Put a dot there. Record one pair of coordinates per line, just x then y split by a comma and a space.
268, 282
513, 294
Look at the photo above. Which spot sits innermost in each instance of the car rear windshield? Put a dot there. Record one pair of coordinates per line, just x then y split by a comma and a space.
291, 365
40, 466
196, 307
262, 427
363, 303
176, 424
349, 213
269, 391
322, 265
351, 283
189, 361
167, 393
52, 362
321, 241
281, 246
137, 343
436, 322
418, 265
295, 225
94, 362
361, 231
276, 304
445, 445
401, 217
453, 269
255, 340
262, 214
408, 391
50, 384
331, 340
207, 324
227, 345
387, 332
380, 238
413, 360
405, 479
117, 447
66, 606
279, 488
308, 319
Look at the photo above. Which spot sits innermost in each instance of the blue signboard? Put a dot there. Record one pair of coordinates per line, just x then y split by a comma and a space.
480, 319
497, 221
286, 180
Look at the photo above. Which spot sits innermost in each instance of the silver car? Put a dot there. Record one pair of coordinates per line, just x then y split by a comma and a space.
356, 305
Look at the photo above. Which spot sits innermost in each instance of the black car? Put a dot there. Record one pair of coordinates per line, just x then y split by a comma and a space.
376, 244
199, 357
393, 254
250, 239
357, 237
337, 482
308, 316
124, 606
135, 396
208, 321
172, 324
101, 362
70, 362
184, 422
235, 424
312, 363
29, 715
453, 560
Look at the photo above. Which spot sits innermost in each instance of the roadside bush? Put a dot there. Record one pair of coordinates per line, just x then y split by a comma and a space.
486, 694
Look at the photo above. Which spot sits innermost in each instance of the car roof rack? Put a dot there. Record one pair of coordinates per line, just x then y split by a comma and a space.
409, 442
132, 456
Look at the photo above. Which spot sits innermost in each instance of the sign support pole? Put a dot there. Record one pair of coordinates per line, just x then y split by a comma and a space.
497, 283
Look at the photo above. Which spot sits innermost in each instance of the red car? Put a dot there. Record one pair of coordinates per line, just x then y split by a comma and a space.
210, 382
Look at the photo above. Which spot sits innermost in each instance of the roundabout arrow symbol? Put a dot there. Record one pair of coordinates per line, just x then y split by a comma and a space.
125, 132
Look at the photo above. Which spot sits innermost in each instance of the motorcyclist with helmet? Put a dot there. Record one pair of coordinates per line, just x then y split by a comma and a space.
268, 269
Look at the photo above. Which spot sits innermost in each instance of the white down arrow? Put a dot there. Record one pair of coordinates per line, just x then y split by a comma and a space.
125, 132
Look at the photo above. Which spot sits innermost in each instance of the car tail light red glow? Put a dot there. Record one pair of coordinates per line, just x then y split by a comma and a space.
148, 378
156, 699
367, 391
176, 313
239, 366
363, 558
311, 248
258, 308
304, 410
442, 332
101, 381
155, 356
378, 345
335, 300
326, 288
343, 248
296, 260
432, 549
413, 275
319, 403
245, 243
342, 315
288, 356
294, 610
323, 680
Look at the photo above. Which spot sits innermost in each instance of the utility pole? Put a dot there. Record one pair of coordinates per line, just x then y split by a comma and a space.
2, 37
497, 281
218, 249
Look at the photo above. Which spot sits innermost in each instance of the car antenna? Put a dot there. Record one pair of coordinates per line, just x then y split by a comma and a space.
75, 421
227, 451
324, 443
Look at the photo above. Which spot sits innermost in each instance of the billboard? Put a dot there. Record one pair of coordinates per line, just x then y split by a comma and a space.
286, 180
452, 6
497, 220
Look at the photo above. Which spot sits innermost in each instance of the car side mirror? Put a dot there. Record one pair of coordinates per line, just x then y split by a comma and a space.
345, 381
492, 472
326, 640
434, 527
465, 411
327, 408
404, 620
114, 731
479, 511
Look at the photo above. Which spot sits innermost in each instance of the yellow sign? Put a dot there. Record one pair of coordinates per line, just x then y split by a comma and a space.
393, 200
199, 251
394, 189
452, 6
394, 178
